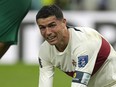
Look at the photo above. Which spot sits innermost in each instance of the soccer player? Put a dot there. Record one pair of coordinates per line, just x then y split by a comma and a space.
80, 52
12, 13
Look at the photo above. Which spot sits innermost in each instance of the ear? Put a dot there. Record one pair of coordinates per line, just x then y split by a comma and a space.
64, 21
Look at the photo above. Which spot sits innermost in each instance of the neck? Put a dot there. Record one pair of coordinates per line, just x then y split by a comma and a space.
61, 47
63, 43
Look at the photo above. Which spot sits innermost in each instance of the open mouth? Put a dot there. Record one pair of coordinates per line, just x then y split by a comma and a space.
51, 38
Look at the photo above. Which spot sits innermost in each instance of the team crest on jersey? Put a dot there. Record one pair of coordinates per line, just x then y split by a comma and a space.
82, 61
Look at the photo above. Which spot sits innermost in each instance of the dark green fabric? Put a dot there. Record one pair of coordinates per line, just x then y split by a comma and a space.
12, 13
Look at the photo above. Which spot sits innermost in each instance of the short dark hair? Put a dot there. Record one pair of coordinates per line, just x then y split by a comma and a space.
49, 10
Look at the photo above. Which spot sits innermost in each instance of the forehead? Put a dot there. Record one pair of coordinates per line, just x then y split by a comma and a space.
44, 21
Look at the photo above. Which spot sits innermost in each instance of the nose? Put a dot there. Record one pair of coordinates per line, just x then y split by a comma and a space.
48, 31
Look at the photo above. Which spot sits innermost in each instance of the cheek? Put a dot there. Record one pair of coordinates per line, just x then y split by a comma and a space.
42, 33
60, 34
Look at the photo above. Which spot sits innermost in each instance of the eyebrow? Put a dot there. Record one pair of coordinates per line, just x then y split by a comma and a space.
48, 24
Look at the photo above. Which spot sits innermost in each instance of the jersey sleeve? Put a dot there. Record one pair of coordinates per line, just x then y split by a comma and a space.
86, 56
84, 69
77, 85
46, 72
46, 69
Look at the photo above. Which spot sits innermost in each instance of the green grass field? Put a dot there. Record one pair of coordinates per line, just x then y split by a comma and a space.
21, 75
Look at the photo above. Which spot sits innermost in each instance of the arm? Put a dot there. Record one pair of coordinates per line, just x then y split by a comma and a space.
3, 48
80, 79
46, 74
86, 59
84, 68
91, 44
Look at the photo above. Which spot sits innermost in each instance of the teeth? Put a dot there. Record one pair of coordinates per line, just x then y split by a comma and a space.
49, 38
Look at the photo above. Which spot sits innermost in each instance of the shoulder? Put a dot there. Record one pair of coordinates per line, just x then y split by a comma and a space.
86, 29
83, 30
44, 45
87, 38
89, 32
44, 49
84, 33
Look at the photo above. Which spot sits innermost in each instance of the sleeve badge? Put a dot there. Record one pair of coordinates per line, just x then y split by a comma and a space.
82, 61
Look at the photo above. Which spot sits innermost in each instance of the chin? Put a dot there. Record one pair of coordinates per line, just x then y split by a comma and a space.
52, 43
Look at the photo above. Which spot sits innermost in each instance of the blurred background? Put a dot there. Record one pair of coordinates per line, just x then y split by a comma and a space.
97, 14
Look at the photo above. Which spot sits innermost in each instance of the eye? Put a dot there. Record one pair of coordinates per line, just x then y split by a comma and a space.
52, 25
42, 27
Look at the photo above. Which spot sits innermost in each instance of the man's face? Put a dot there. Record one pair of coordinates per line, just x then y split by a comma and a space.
52, 29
